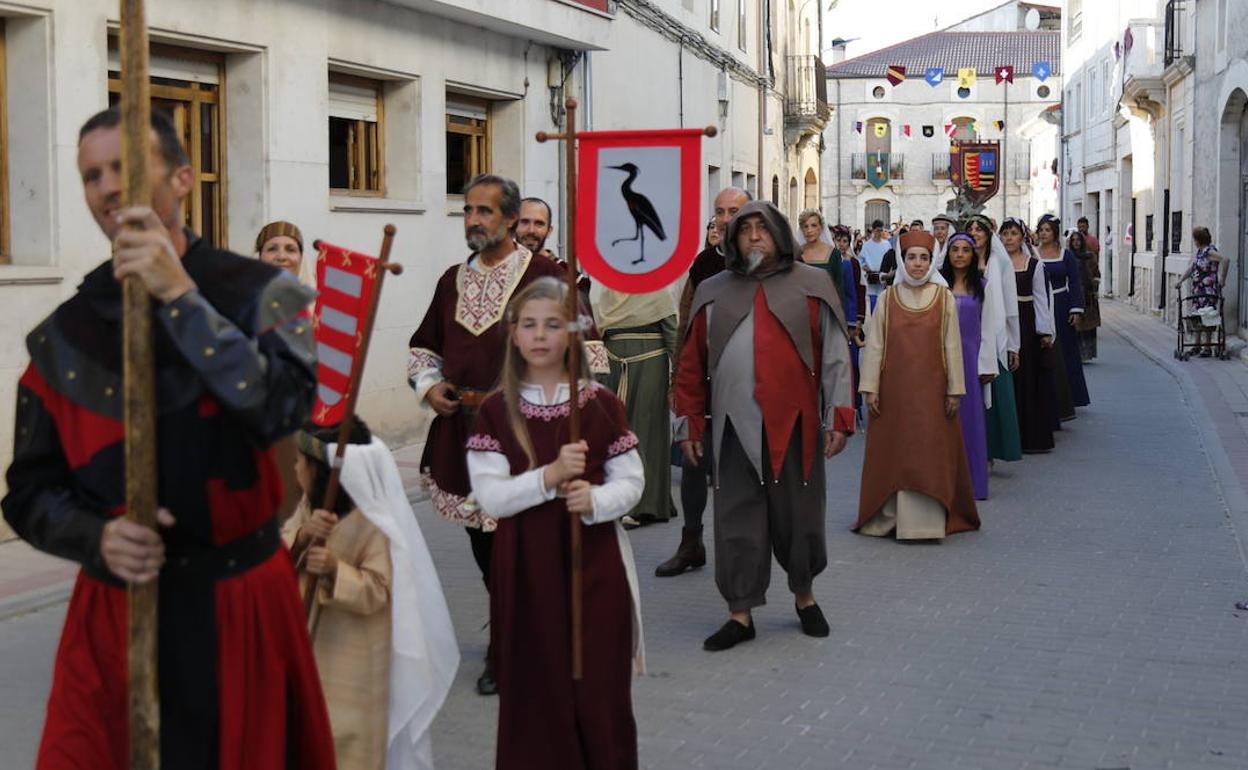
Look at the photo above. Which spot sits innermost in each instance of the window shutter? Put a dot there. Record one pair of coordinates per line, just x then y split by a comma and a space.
352, 102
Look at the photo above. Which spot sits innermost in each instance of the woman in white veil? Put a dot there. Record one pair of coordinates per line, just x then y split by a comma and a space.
1001, 305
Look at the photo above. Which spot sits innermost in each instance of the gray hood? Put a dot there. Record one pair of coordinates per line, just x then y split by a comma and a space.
776, 224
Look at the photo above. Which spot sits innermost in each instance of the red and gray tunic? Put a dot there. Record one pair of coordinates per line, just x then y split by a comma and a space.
773, 348
235, 371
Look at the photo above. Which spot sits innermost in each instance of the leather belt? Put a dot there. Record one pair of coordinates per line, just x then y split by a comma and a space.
225, 561
470, 397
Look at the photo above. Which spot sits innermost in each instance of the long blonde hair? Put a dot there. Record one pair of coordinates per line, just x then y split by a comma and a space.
514, 363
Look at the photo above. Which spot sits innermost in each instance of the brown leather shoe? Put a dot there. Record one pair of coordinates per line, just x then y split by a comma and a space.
691, 554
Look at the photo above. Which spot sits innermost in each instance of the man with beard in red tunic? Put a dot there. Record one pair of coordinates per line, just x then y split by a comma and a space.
457, 354
234, 372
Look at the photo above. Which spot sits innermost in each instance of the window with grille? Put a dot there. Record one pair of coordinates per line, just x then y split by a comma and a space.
186, 84
356, 140
467, 141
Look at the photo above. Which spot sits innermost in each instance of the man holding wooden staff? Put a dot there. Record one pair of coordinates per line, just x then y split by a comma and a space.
234, 371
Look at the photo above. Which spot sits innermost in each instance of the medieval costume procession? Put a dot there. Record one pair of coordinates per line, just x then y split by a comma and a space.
608, 384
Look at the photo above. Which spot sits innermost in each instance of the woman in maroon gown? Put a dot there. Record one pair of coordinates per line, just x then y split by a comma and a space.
526, 473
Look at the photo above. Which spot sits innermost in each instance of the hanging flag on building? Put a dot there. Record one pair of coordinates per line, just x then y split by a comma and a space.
858, 126
638, 222
896, 74
950, 129
975, 165
1041, 70
881, 130
966, 77
1005, 74
878, 169
999, 124
934, 76
929, 131
1128, 40
346, 280
905, 132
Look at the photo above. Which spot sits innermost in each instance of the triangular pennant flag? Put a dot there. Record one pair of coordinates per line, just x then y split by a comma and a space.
951, 129
1041, 70
1005, 74
896, 74
346, 280
966, 77
934, 76
881, 130
858, 126
929, 131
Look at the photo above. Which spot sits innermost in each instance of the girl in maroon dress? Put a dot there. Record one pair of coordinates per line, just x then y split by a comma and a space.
527, 474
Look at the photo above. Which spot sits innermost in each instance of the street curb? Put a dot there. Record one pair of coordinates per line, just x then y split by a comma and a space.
36, 600
1233, 496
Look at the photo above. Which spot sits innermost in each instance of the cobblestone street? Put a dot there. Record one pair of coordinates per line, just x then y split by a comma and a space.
1090, 624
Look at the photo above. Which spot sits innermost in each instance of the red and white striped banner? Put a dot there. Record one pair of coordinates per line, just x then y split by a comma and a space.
345, 281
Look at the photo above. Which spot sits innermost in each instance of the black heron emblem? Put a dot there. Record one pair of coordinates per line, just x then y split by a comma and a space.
642, 210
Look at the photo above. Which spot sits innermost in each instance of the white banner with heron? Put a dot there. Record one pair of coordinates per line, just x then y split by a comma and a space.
638, 216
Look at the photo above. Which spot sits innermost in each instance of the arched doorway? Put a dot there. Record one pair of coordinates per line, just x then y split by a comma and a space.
963, 129
775, 191
812, 190
793, 199
1230, 232
876, 208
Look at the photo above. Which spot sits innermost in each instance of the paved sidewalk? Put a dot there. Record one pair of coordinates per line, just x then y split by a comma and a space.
1217, 393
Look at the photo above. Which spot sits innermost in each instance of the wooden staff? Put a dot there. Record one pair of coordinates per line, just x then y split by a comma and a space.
574, 374
139, 394
311, 607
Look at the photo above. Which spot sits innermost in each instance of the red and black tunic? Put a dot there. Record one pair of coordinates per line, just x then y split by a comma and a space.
235, 371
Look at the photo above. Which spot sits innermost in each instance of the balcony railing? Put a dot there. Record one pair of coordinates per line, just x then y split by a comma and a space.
940, 166
806, 90
1174, 31
892, 167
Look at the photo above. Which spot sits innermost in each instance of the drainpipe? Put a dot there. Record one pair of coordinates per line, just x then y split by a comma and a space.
680, 76
764, 19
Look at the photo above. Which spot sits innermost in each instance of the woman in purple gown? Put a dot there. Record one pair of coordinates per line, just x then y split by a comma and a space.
979, 362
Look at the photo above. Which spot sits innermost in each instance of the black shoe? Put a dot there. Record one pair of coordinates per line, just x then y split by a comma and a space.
728, 636
691, 554
813, 621
485, 683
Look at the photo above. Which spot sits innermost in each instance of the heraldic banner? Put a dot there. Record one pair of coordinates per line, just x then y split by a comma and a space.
346, 279
879, 170
976, 165
638, 217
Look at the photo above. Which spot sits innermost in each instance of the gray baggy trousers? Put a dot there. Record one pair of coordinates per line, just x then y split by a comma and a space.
756, 517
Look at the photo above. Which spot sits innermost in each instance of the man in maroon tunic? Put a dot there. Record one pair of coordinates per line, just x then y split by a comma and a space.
234, 372
457, 353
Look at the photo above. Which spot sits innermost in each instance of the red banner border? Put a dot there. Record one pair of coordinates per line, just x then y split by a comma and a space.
687, 247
